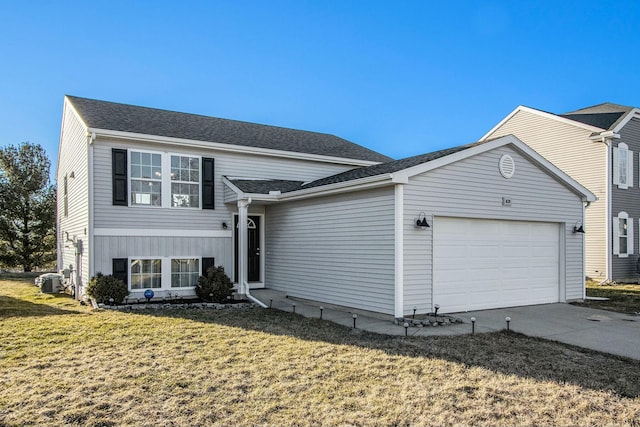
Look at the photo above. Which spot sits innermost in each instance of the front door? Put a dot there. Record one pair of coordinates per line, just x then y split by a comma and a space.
253, 255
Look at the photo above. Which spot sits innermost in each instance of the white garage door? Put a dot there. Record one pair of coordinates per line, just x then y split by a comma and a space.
480, 264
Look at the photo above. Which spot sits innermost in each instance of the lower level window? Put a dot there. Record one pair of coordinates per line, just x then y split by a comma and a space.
146, 273
184, 272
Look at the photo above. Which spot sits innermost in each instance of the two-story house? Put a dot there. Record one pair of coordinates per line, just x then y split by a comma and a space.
597, 146
154, 197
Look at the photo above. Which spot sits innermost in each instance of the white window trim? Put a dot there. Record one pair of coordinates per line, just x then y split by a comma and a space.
622, 150
165, 263
165, 181
616, 235
130, 177
170, 181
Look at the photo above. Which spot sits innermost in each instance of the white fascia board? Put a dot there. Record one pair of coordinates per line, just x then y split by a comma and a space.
130, 136
630, 115
159, 232
543, 114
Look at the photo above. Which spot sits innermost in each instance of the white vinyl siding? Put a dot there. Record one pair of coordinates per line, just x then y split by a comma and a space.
474, 188
622, 235
560, 143
622, 166
73, 160
335, 249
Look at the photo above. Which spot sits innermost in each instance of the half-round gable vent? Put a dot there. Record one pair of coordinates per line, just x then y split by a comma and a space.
507, 166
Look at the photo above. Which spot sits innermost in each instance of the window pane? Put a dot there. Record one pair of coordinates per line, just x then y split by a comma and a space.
135, 158
157, 160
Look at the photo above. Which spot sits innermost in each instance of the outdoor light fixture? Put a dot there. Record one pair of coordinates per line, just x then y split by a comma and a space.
270, 303
421, 222
224, 226
414, 311
473, 325
355, 316
321, 309
294, 308
508, 320
578, 228
436, 308
406, 329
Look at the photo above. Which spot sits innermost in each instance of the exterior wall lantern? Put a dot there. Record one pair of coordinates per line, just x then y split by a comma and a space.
578, 228
421, 222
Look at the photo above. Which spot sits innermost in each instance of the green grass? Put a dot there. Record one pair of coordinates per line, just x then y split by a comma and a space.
623, 298
65, 364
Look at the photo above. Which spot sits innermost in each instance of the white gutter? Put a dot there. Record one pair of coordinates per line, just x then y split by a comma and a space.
210, 145
252, 298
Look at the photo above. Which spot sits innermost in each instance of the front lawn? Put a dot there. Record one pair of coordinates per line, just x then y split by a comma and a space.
65, 364
623, 298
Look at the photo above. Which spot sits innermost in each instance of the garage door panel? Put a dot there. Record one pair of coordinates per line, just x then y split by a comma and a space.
480, 264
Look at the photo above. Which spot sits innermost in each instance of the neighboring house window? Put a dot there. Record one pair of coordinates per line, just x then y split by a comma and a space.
65, 192
184, 272
146, 178
622, 166
185, 182
622, 235
146, 273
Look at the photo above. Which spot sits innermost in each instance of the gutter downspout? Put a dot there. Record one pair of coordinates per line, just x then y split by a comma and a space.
585, 205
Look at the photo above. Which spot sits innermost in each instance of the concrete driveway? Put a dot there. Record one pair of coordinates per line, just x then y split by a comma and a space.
599, 330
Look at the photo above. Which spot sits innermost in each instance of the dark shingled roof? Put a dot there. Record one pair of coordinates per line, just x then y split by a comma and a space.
385, 168
150, 121
604, 116
264, 186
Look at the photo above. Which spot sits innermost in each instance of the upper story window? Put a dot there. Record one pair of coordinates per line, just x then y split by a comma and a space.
142, 178
622, 166
185, 182
146, 178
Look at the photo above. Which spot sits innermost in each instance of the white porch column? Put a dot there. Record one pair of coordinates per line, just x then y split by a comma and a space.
243, 244
399, 251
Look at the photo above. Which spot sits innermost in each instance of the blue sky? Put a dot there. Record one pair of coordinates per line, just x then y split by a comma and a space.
399, 77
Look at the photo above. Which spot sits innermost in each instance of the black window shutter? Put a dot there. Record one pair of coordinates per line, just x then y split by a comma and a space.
207, 263
121, 269
207, 183
119, 172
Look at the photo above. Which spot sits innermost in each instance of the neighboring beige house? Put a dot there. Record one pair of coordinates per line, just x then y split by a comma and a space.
597, 146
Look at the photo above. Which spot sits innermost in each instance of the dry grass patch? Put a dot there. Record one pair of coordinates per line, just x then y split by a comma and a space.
65, 364
623, 298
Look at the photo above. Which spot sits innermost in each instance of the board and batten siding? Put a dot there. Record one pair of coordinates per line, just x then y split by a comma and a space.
226, 164
474, 188
628, 200
73, 159
335, 249
570, 149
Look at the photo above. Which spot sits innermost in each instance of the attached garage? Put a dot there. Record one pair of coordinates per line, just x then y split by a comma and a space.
481, 264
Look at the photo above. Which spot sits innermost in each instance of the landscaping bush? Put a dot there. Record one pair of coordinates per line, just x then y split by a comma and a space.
102, 288
214, 286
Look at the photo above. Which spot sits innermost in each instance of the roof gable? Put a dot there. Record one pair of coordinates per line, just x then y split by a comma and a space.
151, 121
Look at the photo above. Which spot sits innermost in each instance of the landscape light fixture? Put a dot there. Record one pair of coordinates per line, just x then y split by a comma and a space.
508, 320
421, 222
473, 325
355, 316
406, 329
294, 308
436, 308
270, 303
414, 311
321, 309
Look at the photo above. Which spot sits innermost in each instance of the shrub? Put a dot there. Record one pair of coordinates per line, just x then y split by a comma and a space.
215, 285
102, 288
